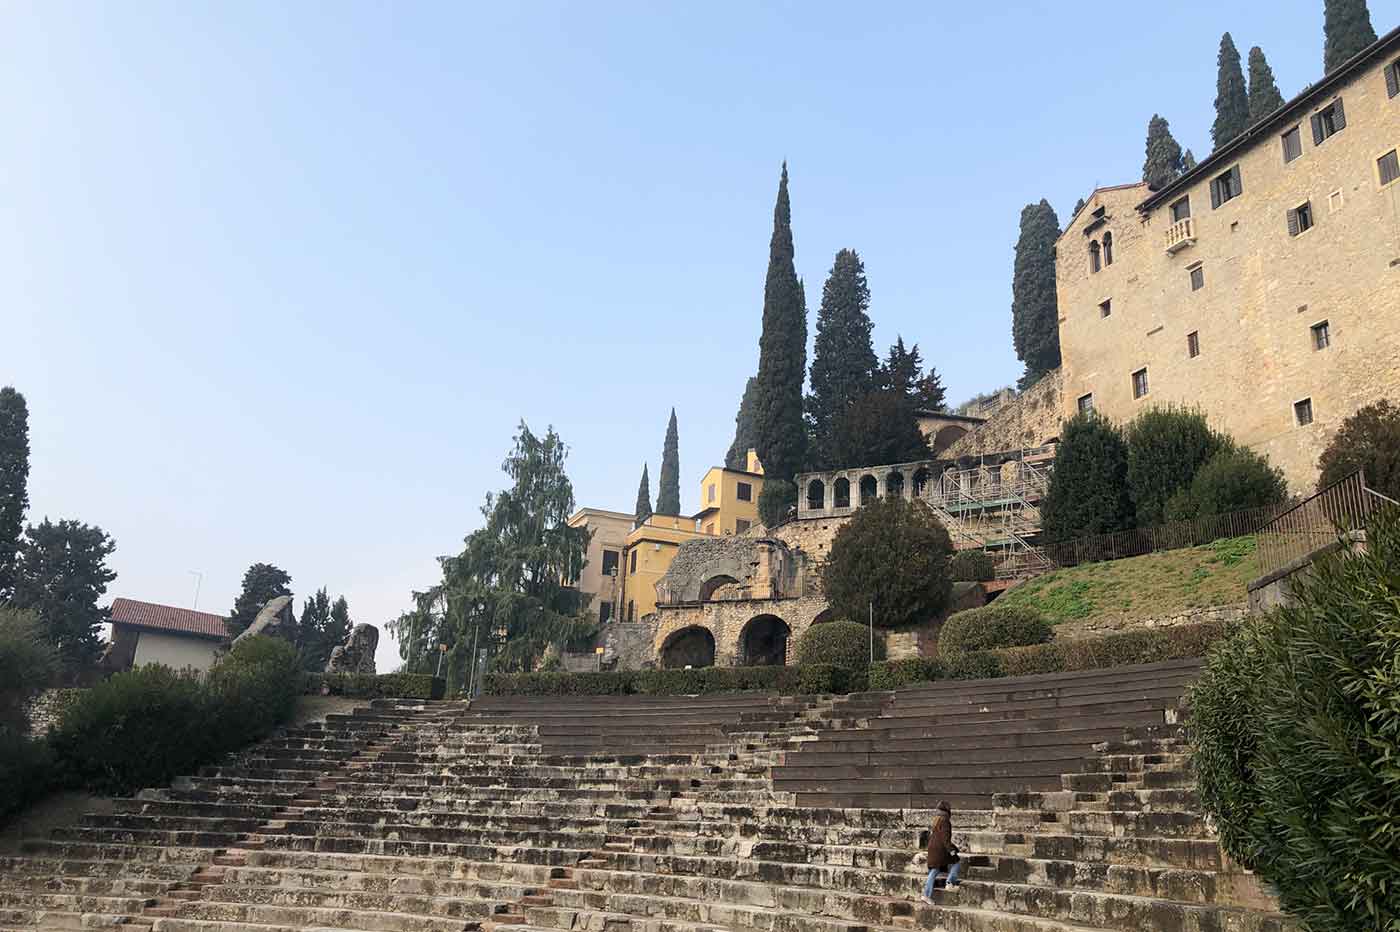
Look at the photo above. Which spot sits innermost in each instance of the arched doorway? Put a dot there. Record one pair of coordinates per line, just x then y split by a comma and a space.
689, 647
869, 489
841, 492
894, 485
816, 495
708, 587
763, 642
921, 481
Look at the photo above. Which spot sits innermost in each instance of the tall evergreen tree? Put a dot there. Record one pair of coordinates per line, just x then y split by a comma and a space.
1346, 30
1078, 206
62, 572
1188, 160
1163, 163
880, 428
643, 510
313, 646
1035, 322
338, 627
1264, 96
261, 583
1231, 97
843, 360
14, 483
902, 369
782, 367
668, 491
745, 427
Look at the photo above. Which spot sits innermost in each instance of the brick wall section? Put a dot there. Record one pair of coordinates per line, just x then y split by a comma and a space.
1029, 420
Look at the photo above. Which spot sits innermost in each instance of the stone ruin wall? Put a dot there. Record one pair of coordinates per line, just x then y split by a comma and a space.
1029, 420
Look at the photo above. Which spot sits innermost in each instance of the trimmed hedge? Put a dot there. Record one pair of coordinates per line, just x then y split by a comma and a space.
972, 566
993, 626
808, 679
370, 686
843, 643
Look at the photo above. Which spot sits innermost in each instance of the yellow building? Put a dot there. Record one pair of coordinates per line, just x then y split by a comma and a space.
602, 568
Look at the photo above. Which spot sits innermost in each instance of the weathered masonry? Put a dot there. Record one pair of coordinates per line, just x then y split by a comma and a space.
1263, 286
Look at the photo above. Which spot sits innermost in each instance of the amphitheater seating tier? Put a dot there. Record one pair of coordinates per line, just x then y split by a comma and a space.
748, 813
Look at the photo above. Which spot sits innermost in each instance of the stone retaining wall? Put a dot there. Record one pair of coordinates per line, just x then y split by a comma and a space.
46, 709
1098, 627
1032, 419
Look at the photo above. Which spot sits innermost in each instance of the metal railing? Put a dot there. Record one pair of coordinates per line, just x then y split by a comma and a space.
1317, 521
1174, 535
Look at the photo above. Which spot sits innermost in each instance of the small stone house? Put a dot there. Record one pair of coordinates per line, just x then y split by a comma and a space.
144, 632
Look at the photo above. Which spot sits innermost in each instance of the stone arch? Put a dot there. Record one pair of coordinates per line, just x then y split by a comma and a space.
763, 642
841, 492
894, 484
947, 436
823, 616
922, 478
816, 495
869, 489
692, 646
708, 587
687, 580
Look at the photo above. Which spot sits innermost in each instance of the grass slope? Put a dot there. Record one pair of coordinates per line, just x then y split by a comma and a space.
1143, 587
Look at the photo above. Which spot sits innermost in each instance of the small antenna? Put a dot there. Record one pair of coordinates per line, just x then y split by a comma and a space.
198, 581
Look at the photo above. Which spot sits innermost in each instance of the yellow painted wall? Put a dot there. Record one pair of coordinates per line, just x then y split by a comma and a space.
650, 550
721, 511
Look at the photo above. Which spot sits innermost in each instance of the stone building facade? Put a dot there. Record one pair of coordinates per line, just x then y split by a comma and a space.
1025, 421
1263, 286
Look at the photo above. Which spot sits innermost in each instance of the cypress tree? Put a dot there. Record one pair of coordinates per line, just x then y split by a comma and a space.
1035, 327
843, 360
1264, 97
1346, 30
1231, 98
782, 365
668, 491
643, 510
745, 429
14, 483
1163, 164
1188, 160
1078, 206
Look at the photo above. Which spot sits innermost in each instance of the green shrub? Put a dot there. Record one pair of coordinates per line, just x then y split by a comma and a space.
1235, 479
993, 626
972, 566
26, 771
253, 690
1296, 731
27, 664
1166, 448
368, 686
1088, 491
1369, 440
895, 554
812, 678
843, 643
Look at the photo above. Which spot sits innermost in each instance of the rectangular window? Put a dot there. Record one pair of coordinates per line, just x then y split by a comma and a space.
1140, 383
1300, 219
1181, 209
609, 562
1198, 277
1086, 403
1302, 412
633, 567
1193, 344
745, 492
1328, 122
1226, 187
1292, 144
1321, 335
1334, 202
1392, 78
740, 525
604, 612
1389, 167
712, 492
1105, 308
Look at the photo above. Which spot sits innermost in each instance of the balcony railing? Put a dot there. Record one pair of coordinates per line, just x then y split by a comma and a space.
1181, 234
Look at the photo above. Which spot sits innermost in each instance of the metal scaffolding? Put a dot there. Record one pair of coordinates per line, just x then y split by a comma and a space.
996, 508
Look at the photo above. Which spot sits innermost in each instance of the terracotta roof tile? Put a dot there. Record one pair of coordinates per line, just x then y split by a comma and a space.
167, 618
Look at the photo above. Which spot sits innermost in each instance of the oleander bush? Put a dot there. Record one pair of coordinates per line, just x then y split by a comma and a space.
842, 643
993, 626
1295, 729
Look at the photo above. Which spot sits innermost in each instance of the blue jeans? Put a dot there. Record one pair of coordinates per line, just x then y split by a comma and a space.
933, 875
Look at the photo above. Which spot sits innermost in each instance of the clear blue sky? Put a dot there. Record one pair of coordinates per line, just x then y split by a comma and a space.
279, 280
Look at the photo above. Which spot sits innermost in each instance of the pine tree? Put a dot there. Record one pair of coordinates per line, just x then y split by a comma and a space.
1188, 160
745, 436
878, 429
1264, 96
1078, 206
14, 483
1231, 98
1346, 30
1163, 164
62, 572
782, 366
262, 583
313, 646
668, 491
902, 369
843, 360
643, 510
338, 628
929, 393
1035, 322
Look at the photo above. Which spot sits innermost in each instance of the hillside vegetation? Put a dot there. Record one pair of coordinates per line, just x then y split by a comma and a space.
1143, 587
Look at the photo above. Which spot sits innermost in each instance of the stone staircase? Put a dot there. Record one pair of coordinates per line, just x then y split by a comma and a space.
683, 814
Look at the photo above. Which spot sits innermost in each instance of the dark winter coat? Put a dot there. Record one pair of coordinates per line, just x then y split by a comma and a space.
941, 853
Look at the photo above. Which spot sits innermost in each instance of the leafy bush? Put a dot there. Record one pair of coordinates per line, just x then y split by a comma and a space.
1088, 491
1296, 731
896, 673
28, 663
812, 678
367, 686
993, 626
143, 727
893, 553
1369, 440
1232, 480
843, 643
972, 566
1166, 447
776, 501
26, 771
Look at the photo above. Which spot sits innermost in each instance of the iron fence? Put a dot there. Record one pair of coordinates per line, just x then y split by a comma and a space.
1316, 521
1171, 536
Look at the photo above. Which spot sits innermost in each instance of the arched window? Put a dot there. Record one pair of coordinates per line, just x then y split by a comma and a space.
816, 495
841, 491
921, 479
1094, 264
869, 489
1108, 248
894, 485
